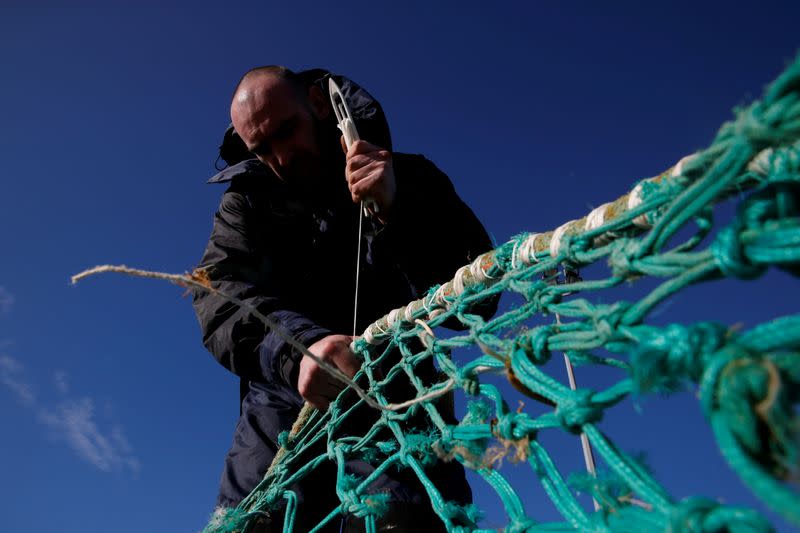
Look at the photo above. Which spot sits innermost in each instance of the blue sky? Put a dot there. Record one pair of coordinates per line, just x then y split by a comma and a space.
113, 415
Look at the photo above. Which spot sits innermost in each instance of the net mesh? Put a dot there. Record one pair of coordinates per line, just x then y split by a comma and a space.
663, 230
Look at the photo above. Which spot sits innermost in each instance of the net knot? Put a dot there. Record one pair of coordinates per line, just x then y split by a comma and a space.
283, 439
446, 438
623, 258
663, 357
575, 245
578, 410
469, 381
334, 410
606, 319
467, 515
751, 124
537, 292
543, 296
730, 256
511, 426
228, 519
366, 504
419, 446
534, 344
272, 495
335, 448
279, 470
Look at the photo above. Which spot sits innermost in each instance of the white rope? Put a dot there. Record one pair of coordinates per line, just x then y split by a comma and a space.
458, 280
634, 201
392, 318
426, 304
514, 256
438, 297
555, 240
597, 217
476, 268
527, 251
677, 170
448, 386
427, 329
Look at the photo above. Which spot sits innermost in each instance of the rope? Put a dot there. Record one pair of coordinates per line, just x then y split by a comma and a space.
198, 279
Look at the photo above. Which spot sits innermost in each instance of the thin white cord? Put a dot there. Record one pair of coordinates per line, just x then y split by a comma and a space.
358, 267
588, 456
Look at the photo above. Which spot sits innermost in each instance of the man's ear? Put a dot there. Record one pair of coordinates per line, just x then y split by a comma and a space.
319, 102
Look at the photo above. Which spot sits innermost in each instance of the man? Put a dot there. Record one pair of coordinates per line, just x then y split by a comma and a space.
285, 240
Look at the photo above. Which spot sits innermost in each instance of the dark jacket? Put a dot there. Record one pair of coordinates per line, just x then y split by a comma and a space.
295, 261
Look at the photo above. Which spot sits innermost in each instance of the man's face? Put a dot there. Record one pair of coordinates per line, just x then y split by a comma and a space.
279, 127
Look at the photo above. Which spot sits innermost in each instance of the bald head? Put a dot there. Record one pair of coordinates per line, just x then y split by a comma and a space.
257, 76
261, 84
274, 113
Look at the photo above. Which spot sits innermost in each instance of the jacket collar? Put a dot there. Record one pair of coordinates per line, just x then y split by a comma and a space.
249, 166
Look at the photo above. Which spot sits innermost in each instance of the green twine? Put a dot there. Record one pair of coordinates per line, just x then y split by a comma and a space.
749, 382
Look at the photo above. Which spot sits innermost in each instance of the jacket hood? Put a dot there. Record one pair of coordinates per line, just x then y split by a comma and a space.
367, 113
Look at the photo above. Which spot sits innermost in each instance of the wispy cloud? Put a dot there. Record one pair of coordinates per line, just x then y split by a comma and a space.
6, 300
73, 420
10, 376
60, 381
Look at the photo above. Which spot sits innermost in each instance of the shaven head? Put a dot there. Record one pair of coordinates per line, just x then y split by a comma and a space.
259, 92
277, 117
253, 77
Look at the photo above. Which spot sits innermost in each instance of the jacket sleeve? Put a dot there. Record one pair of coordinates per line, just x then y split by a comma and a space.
432, 232
234, 336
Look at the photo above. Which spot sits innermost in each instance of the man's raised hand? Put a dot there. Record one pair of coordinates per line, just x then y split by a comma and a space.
317, 386
370, 176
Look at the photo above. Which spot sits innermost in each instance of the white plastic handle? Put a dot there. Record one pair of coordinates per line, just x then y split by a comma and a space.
346, 125
343, 116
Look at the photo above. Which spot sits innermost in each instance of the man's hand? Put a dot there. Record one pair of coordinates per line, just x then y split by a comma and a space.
314, 384
370, 176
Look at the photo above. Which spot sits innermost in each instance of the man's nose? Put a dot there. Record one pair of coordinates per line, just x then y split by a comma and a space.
283, 156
